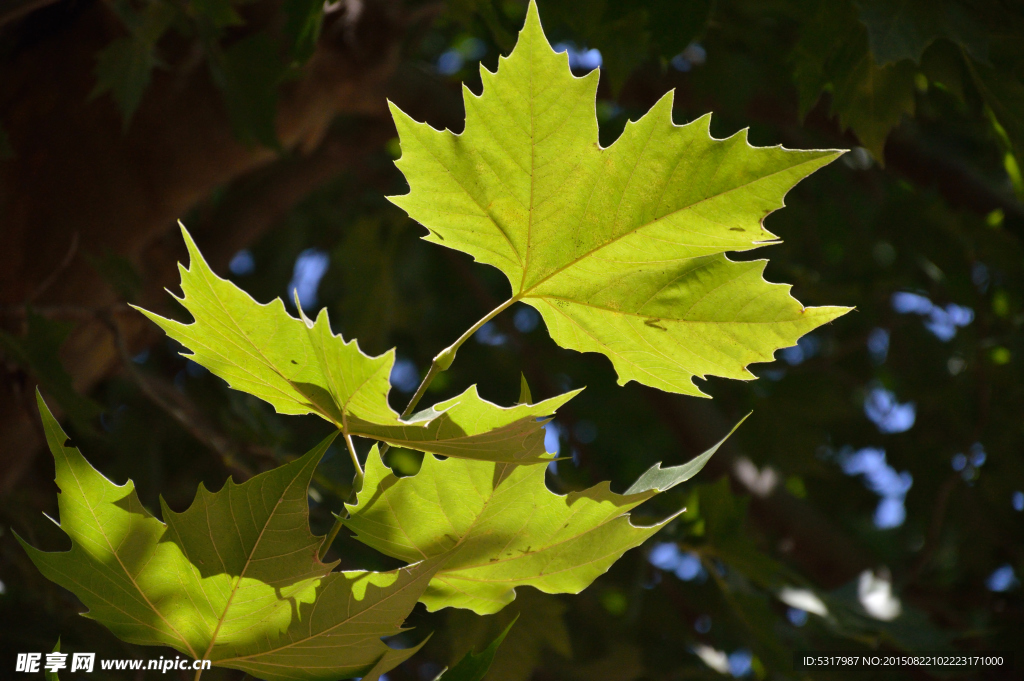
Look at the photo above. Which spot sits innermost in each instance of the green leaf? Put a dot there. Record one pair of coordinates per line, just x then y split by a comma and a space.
248, 73
234, 579
540, 631
119, 272
47, 674
301, 367
219, 13
474, 666
39, 351
620, 249
524, 391
501, 527
662, 479
124, 69
903, 29
1003, 92
832, 55
125, 66
302, 26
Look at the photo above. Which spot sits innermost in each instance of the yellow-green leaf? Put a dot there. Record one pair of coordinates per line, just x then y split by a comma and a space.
234, 579
621, 249
300, 367
501, 527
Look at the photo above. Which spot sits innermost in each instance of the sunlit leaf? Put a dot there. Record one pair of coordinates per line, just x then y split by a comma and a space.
500, 526
300, 367
620, 249
234, 579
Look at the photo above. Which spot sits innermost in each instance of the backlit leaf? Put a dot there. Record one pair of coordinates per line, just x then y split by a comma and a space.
300, 367
234, 579
500, 526
620, 249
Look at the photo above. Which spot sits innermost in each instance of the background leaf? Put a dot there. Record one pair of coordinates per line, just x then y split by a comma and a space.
474, 666
38, 351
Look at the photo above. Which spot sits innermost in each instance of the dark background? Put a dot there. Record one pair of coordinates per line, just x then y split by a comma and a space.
886, 449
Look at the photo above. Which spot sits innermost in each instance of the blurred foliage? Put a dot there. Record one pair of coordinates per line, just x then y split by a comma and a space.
935, 91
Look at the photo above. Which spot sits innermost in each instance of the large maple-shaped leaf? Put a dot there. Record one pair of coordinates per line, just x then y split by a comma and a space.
620, 249
234, 579
501, 527
300, 367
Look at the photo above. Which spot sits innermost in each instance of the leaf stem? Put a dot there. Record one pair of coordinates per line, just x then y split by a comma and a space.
331, 536
444, 359
441, 362
355, 458
356, 486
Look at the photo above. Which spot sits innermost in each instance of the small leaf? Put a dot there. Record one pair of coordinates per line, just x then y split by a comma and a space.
474, 666
621, 250
124, 69
234, 579
663, 479
524, 391
125, 66
52, 675
302, 26
300, 367
39, 351
541, 634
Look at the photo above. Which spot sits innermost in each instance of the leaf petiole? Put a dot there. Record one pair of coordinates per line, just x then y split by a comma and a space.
441, 362
357, 485
444, 359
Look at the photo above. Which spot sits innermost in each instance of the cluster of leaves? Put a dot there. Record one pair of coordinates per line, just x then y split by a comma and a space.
872, 57
247, 71
620, 250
